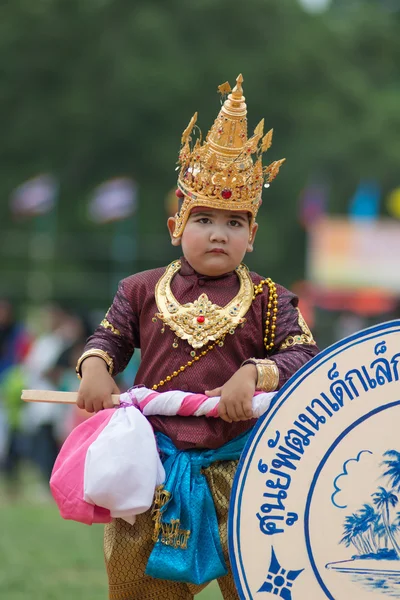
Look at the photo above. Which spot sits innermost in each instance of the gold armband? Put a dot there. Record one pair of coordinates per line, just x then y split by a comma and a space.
267, 373
95, 352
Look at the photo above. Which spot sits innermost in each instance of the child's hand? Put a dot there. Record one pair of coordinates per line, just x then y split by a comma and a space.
97, 386
237, 395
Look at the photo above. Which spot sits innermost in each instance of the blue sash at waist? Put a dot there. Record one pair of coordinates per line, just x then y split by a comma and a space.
187, 544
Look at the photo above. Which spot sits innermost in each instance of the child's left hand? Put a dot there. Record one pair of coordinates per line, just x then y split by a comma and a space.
237, 395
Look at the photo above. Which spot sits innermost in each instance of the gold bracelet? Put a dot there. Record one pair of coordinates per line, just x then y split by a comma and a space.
267, 377
95, 352
267, 373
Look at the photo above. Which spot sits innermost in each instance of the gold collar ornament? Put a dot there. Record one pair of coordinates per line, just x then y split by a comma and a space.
201, 321
226, 171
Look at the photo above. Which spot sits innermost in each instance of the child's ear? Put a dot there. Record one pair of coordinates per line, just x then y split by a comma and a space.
171, 228
252, 237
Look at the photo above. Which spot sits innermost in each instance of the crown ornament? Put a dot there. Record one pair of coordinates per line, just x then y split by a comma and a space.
225, 171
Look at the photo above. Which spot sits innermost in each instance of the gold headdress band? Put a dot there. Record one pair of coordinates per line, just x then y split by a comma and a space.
225, 171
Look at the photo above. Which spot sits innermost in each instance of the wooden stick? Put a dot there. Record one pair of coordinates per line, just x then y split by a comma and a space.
59, 397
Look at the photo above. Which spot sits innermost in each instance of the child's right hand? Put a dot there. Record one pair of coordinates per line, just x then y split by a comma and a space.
97, 385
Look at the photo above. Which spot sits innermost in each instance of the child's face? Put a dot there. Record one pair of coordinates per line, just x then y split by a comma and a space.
215, 241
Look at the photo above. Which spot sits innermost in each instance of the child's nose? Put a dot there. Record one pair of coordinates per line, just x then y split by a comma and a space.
218, 235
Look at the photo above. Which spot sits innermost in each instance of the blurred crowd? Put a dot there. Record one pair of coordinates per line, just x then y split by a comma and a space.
39, 353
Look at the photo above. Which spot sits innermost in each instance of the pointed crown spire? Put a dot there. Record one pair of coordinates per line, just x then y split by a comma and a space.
225, 171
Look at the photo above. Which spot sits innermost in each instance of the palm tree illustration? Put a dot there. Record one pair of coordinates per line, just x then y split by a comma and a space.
369, 519
393, 468
396, 523
380, 532
360, 530
383, 500
353, 534
371, 527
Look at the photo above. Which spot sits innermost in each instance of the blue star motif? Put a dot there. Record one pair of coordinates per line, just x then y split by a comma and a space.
279, 581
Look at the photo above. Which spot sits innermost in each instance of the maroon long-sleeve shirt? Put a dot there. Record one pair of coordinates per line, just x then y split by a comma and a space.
131, 314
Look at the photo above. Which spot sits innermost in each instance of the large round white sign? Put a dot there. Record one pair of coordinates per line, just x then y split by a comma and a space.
315, 508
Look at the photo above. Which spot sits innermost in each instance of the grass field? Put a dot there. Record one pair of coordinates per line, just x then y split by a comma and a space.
43, 557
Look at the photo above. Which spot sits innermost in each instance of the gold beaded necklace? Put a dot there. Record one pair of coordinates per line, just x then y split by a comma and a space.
269, 333
188, 364
272, 304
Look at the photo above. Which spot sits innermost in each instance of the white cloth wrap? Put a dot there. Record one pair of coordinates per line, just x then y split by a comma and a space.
123, 467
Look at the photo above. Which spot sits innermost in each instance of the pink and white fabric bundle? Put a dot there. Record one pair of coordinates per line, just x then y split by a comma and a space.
186, 404
109, 466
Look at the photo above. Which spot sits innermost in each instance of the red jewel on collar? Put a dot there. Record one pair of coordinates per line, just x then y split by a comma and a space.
201, 319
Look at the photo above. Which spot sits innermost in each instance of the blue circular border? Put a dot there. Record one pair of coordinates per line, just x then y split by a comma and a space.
315, 479
264, 422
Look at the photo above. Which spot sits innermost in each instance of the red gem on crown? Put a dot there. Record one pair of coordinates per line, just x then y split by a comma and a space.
226, 194
179, 193
201, 319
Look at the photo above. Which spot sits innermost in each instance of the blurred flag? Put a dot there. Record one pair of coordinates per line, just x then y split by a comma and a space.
365, 202
35, 197
313, 204
393, 203
113, 200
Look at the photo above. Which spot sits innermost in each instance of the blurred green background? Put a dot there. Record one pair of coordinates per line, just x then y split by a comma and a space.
92, 91
97, 89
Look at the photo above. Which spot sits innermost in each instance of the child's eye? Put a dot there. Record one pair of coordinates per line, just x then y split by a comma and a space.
235, 223
203, 220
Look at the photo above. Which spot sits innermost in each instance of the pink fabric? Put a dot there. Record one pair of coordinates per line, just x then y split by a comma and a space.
213, 412
149, 398
191, 403
67, 478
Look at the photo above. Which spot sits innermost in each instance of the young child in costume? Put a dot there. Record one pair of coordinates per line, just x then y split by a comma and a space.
202, 323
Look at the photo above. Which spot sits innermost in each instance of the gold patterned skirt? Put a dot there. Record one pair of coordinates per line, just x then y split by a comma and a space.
127, 549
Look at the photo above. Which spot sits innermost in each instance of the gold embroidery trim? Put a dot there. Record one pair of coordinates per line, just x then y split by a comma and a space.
171, 535
305, 338
201, 322
168, 534
107, 325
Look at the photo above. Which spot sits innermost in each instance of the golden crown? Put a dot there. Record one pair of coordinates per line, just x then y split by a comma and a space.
225, 171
